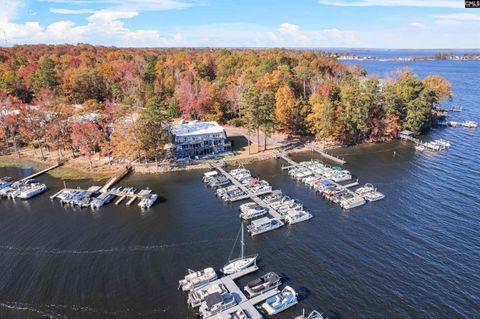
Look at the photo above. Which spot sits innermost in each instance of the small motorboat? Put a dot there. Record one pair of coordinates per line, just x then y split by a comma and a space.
420, 147
5, 182
196, 279
148, 200
297, 216
348, 203
282, 301
470, 124
263, 284
373, 196
101, 200
313, 315
368, 188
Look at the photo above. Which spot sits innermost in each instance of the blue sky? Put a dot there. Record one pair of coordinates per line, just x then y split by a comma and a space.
250, 23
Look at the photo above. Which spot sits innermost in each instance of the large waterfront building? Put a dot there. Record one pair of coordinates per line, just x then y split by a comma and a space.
198, 139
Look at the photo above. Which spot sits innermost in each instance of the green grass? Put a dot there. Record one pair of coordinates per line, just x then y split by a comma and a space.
62, 172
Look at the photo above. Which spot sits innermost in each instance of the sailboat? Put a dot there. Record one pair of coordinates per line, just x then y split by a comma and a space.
241, 263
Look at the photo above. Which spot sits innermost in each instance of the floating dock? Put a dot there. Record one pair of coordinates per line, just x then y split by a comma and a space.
335, 159
243, 303
250, 195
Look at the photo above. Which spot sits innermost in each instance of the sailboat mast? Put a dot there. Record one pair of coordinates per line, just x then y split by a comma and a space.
242, 244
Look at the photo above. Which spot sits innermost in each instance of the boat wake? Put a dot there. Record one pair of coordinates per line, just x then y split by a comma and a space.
17, 306
115, 250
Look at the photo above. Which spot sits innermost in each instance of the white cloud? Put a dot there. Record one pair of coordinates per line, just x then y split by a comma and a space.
418, 25
133, 5
395, 3
71, 11
459, 16
293, 32
8, 9
290, 35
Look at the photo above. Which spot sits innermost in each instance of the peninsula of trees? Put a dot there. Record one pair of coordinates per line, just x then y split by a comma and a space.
88, 99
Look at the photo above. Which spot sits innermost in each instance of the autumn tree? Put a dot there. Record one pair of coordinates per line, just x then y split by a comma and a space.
86, 137
284, 105
45, 77
439, 85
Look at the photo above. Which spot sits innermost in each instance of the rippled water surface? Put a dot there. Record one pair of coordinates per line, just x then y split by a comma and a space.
415, 254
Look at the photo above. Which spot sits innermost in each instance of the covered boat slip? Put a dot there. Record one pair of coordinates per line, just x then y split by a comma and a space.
243, 303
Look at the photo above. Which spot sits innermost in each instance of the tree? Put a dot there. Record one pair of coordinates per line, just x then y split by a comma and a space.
86, 137
284, 105
249, 111
322, 118
14, 108
303, 73
45, 76
194, 97
266, 114
439, 85
89, 86
152, 134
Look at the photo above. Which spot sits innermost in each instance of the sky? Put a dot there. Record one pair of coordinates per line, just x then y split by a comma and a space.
414, 24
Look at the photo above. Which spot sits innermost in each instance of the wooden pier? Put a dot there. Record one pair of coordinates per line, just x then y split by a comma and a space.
335, 159
115, 179
408, 136
42, 172
250, 195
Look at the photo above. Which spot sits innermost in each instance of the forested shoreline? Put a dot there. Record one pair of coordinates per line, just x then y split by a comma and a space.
88, 99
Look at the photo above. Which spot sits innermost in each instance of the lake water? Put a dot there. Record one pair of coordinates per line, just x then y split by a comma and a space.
416, 254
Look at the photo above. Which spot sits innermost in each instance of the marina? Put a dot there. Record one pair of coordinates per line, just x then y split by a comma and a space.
322, 178
96, 197
223, 298
280, 207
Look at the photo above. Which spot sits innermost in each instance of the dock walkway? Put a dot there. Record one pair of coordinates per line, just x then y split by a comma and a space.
326, 155
116, 178
43, 171
252, 196
243, 303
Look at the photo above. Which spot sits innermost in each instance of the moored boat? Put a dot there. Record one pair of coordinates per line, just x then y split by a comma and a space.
101, 200
241, 263
216, 303
263, 225
282, 301
297, 216
263, 284
373, 196
147, 201
196, 279
197, 296
5, 182
29, 189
